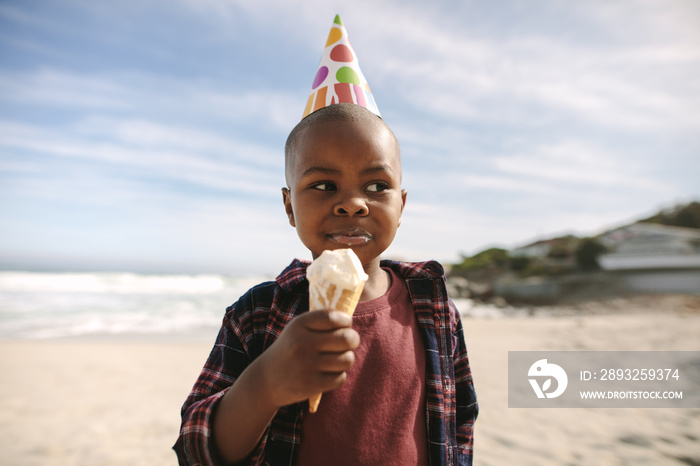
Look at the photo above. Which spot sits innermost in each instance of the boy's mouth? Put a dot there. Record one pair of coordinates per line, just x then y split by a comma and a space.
350, 236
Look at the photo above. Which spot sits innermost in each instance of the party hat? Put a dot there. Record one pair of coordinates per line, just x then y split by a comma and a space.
339, 78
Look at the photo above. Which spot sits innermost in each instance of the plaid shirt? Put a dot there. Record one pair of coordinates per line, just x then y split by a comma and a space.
254, 322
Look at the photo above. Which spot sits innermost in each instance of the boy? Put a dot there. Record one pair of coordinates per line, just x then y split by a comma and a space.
396, 376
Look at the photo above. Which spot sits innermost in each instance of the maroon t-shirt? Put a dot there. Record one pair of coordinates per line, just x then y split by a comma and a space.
378, 415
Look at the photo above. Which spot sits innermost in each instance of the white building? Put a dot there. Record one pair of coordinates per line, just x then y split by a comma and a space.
651, 246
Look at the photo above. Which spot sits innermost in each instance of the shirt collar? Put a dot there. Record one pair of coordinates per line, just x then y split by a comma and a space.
293, 274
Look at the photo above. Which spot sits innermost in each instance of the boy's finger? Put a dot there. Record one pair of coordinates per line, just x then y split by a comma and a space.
342, 339
336, 362
326, 320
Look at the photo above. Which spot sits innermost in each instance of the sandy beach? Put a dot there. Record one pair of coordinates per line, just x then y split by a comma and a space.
117, 401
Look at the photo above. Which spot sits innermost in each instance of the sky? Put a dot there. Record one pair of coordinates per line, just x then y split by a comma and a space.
148, 135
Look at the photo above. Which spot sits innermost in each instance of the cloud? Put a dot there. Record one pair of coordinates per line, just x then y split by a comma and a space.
57, 88
165, 97
537, 75
505, 183
573, 162
148, 150
132, 124
277, 109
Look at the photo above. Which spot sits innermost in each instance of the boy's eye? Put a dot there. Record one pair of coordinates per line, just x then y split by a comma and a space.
377, 187
324, 186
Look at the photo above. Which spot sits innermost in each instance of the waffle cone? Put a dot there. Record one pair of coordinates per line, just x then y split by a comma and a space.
330, 297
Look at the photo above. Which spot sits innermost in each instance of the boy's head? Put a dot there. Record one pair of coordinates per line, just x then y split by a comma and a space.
343, 173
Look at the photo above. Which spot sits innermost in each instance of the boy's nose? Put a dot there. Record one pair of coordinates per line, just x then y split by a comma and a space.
352, 207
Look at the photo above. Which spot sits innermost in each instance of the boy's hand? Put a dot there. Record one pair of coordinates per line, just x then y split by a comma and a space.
310, 356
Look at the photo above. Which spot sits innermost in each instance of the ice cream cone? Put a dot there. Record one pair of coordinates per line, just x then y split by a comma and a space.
336, 279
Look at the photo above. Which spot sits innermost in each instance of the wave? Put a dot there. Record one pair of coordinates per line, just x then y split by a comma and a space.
55, 305
120, 283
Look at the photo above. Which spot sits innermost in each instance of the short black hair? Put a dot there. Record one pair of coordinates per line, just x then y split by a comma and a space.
335, 112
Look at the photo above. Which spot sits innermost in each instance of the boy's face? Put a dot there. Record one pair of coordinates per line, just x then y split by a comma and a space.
344, 190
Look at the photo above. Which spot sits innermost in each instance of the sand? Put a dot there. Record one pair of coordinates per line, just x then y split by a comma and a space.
581, 436
117, 402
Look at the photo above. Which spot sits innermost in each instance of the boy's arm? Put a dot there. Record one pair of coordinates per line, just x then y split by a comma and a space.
310, 356
234, 399
227, 360
467, 407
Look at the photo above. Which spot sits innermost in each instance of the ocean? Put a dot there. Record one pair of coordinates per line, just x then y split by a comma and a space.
45, 305
41, 305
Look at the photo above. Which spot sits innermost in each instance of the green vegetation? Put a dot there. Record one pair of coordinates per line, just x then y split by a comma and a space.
494, 257
680, 216
565, 254
587, 253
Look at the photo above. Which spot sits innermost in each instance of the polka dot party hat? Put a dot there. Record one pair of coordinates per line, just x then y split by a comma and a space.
339, 78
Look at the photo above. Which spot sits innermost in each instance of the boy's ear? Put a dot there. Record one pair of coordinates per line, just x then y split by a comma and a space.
287, 200
404, 193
